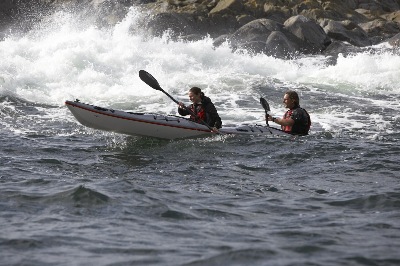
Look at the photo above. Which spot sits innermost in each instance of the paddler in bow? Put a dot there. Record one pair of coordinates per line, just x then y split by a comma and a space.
201, 109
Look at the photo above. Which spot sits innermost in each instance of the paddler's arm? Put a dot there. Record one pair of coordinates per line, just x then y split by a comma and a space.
182, 109
281, 121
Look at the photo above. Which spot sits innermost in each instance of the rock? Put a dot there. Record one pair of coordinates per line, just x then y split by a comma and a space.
379, 6
275, 13
394, 16
228, 7
367, 14
7, 5
338, 11
177, 23
221, 39
279, 46
217, 25
338, 47
244, 19
395, 40
276, 27
312, 35
4, 20
347, 31
283, 41
379, 27
253, 36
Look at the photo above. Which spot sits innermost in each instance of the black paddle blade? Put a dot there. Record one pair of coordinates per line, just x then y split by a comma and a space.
149, 80
265, 105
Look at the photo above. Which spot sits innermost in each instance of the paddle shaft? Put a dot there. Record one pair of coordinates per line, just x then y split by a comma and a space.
166, 93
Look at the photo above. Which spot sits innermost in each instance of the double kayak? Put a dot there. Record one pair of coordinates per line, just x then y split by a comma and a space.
154, 125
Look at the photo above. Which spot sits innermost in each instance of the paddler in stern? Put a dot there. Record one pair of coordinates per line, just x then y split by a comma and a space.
296, 120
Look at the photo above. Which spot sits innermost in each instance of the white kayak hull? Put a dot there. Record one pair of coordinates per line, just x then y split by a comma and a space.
153, 125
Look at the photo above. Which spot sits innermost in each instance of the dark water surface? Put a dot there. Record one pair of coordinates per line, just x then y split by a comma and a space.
73, 196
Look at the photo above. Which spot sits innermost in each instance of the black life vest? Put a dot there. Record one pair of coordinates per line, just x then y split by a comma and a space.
300, 127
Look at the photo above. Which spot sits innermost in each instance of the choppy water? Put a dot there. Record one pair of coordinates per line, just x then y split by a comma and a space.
70, 195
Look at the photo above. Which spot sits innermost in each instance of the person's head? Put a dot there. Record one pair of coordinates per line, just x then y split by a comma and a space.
291, 99
195, 95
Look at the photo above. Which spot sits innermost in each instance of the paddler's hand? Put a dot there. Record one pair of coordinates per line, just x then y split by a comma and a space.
214, 130
271, 118
181, 105
268, 117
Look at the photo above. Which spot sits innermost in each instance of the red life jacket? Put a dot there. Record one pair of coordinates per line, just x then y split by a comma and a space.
199, 111
287, 115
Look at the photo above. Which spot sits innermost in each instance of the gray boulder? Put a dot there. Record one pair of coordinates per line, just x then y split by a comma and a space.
347, 31
313, 37
338, 47
177, 23
282, 40
379, 6
279, 14
380, 29
253, 36
395, 40
279, 46
228, 7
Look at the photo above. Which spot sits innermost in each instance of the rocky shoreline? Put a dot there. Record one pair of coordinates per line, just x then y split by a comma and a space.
281, 28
